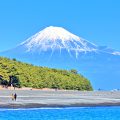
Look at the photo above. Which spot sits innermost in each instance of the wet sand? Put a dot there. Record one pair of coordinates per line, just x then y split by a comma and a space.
59, 98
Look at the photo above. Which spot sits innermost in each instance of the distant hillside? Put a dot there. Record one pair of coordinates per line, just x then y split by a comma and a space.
43, 77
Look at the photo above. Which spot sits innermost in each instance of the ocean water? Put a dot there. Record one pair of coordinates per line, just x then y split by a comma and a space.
75, 113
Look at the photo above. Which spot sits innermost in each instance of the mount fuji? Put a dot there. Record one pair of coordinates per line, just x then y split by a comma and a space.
55, 47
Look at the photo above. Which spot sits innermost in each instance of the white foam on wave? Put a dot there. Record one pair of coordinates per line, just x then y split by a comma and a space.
42, 108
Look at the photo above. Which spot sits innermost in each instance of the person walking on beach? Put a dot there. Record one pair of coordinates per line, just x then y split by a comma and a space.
15, 96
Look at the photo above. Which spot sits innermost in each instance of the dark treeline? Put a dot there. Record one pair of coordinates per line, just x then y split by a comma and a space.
13, 81
27, 75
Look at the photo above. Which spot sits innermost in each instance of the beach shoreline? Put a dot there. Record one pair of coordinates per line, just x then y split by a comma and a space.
60, 98
28, 106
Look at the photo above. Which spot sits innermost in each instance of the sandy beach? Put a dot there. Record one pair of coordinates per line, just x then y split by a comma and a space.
58, 98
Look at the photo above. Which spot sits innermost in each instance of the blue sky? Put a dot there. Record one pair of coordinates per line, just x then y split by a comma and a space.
95, 20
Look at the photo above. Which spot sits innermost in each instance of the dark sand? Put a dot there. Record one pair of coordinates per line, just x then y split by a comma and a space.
52, 98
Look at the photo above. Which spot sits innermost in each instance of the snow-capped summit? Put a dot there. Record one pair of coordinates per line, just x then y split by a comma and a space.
57, 38
54, 33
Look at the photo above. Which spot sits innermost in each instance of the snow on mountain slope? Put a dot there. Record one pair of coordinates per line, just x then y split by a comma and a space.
57, 38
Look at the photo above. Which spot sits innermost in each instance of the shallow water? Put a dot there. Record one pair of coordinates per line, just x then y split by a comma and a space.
75, 113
